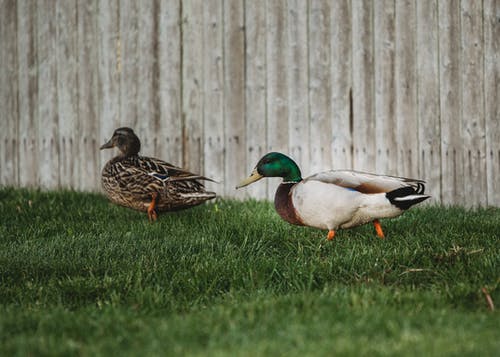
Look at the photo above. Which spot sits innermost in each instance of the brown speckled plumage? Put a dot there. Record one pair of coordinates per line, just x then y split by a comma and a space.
130, 180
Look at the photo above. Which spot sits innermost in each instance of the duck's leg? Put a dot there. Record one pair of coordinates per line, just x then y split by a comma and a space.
378, 228
331, 234
151, 208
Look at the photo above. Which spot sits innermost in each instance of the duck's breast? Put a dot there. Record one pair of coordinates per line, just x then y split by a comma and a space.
324, 205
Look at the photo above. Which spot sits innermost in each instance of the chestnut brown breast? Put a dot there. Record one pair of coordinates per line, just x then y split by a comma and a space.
283, 204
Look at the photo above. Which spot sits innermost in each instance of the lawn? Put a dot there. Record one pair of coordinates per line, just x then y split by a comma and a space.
80, 276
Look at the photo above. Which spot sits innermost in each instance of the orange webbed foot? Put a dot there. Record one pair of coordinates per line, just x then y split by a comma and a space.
331, 234
151, 208
378, 229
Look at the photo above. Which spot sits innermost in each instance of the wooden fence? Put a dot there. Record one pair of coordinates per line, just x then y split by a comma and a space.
400, 87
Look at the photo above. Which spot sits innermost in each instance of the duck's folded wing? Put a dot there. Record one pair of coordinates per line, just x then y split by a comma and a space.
162, 170
366, 182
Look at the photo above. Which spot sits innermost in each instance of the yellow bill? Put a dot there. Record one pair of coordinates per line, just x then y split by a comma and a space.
254, 176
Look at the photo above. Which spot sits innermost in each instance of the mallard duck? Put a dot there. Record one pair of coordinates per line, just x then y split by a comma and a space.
336, 199
148, 184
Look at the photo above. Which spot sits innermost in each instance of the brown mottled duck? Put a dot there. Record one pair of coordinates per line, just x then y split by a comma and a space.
148, 184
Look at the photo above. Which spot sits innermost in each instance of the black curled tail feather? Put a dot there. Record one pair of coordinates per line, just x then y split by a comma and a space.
405, 197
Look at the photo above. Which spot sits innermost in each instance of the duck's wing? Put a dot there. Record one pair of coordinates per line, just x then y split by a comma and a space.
366, 182
163, 170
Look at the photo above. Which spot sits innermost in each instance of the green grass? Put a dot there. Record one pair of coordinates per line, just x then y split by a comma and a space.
79, 276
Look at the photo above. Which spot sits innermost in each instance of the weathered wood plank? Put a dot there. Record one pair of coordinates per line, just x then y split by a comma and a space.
192, 84
87, 127
428, 97
453, 189
147, 121
170, 85
234, 96
109, 63
406, 89
473, 104
46, 115
213, 109
128, 68
491, 13
297, 79
320, 85
363, 103
28, 93
255, 101
277, 87
8, 95
67, 90
385, 124
341, 84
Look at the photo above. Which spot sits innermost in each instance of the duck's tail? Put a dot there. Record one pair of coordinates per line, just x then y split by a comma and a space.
405, 197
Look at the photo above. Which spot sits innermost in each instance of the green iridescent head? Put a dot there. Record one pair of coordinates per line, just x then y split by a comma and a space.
274, 164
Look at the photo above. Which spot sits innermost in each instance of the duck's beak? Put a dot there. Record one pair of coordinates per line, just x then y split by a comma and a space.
254, 176
108, 145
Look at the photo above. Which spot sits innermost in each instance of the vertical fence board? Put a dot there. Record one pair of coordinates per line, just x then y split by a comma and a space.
109, 64
87, 128
213, 109
277, 87
428, 96
453, 188
47, 114
192, 79
406, 89
8, 94
473, 104
128, 62
320, 86
28, 93
385, 124
170, 143
341, 84
234, 96
492, 97
67, 94
363, 117
297, 79
256, 89
147, 121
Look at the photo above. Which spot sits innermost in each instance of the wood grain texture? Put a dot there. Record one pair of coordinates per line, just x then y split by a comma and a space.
341, 59
88, 122
452, 164
234, 96
405, 72
192, 84
384, 70
109, 67
473, 125
213, 109
277, 86
169, 144
428, 97
363, 101
46, 114
67, 91
256, 92
491, 80
320, 85
8, 95
28, 93
399, 87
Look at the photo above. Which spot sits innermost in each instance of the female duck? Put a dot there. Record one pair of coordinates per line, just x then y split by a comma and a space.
148, 184
338, 198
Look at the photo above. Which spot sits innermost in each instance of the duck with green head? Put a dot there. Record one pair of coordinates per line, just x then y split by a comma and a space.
336, 199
